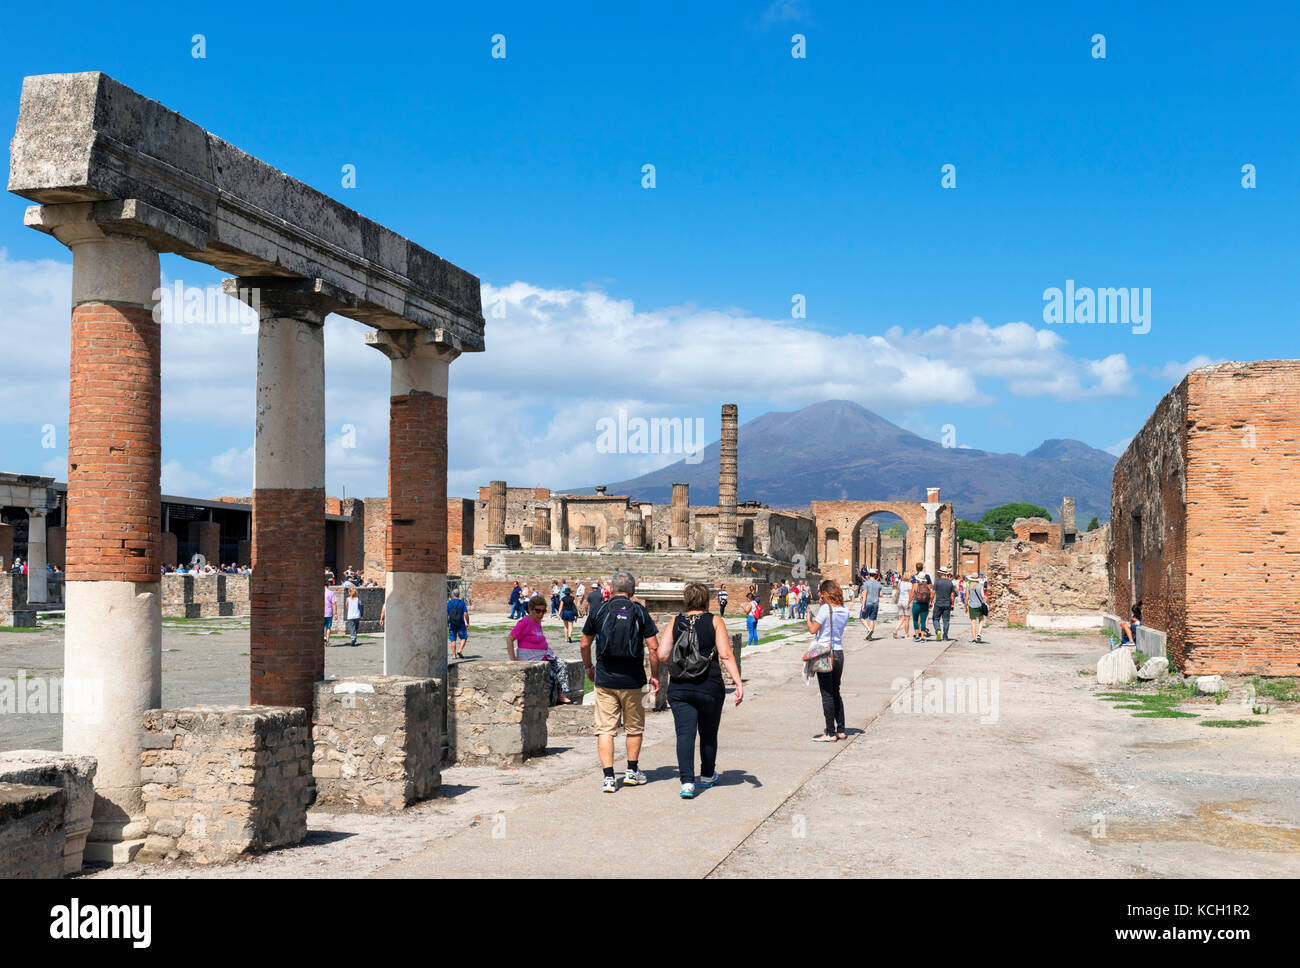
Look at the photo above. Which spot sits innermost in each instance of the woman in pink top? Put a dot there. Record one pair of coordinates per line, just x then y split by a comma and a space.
527, 643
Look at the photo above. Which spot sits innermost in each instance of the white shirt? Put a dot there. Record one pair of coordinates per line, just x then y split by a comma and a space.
354, 608
581, 592
831, 622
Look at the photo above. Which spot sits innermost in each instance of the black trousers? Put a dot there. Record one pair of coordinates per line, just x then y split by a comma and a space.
832, 702
697, 712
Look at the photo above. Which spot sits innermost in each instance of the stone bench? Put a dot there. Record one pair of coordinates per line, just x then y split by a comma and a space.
496, 712
377, 741
75, 775
31, 831
221, 781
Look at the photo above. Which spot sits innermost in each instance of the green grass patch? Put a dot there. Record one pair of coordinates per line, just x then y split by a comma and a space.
1231, 723
1165, 714
20, 628
587, 685
1139, 658
1282, 690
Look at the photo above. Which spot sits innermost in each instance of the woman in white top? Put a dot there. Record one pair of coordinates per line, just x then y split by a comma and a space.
904, 607
352, 614
828, 626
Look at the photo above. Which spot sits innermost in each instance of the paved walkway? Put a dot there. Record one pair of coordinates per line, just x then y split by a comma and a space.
765, 756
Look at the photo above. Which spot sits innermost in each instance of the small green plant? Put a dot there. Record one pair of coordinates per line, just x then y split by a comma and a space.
1231, 723
1165, 714
1282, 690
1139, 658
1261, 710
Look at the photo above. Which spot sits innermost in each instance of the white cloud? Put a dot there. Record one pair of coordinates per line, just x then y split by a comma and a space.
1173, 371
1118, 449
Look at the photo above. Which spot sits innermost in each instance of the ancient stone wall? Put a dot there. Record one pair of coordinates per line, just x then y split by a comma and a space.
1025, 577
377, 741
31, 831
13, 601
496, 712
75, 775
1039, 531
220, 781
375, 539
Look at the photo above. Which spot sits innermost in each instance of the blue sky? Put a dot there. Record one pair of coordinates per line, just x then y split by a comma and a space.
775, 176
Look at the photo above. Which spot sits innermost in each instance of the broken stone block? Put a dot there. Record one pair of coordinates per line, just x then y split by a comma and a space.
1209, 685
1116, 666
76, 774
1154, 668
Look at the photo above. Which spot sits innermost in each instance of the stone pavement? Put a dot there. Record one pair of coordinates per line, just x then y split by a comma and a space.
765, 756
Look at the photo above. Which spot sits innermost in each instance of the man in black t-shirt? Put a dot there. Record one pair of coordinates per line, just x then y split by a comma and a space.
944, 590
595, 599
624, 626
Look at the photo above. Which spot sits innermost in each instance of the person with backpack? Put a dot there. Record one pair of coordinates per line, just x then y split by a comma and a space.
922, 595
827, 627
699, 647
621, 630
753, 612
457, 624
976, 606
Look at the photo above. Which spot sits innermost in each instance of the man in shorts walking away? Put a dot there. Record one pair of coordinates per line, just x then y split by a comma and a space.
622, 630
944, 593
869, 601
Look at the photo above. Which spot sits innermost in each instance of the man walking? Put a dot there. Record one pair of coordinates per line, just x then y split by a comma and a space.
869, 601
722, 601
595, 598
944, 592
457, 624
622, 630
515, 606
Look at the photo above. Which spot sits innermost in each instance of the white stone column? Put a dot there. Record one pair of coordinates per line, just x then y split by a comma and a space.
37, 585
415, 599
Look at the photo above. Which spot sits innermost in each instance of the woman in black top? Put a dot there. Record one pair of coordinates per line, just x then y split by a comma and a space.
697, 703
568, 612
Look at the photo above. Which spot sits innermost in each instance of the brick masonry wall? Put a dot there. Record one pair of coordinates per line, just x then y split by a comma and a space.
460, 529
375, 539
31, 831
7, 545
287, 656
417, 484
1025, 577
114, 499
377, 741
56, 546
221, 781
496, 712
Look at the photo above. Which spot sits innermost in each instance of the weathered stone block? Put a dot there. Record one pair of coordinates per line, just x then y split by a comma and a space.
378, 740
1154, 668
32, 837
76, 776
1116, 667
207, 778
1209, 685
496, 712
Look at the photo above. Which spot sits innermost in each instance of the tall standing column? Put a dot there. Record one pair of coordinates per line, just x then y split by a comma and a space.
286, 647
680, 535
932, 506
496, 538
415, 601
559, 524
112, 644
542, 527
37, 585
727, 477
634, 530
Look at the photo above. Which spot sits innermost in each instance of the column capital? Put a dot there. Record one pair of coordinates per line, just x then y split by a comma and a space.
406, 344
308, 300
75, 222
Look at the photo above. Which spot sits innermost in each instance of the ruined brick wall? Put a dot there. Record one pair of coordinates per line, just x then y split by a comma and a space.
1039, 531
604, 513
375, 539
1025, 577
1242, 536
785, 534
460, 530
1148, 524
521, 510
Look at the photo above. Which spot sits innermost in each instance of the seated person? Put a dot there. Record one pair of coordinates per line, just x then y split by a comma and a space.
527, 643
1128, 630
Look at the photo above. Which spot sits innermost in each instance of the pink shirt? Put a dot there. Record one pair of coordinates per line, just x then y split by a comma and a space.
330, 601
528, 634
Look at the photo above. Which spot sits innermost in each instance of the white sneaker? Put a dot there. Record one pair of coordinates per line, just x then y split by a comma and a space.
607, 784
688, 791
634, 778
708, 781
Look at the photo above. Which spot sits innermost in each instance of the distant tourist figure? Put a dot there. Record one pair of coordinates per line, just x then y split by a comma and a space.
751, 618
827, 626
352, 614
922, 593
1128, 630
621, 630
330, 603
457, 624
904, 607
722, 602
595, 599
869, 602
527, 643
568, 613
697, 650
516, 609
581, 594
555, 599
976, 605
944, 593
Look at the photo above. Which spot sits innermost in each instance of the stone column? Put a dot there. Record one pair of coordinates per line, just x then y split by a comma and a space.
286, 649
680, 538
37, 585
112, 647
931, 506
727, 476
634, 530
542, 527
559, 524
415, 603
496, 516
586, 537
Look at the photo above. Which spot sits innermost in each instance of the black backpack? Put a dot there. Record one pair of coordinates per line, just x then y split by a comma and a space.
687, 661
619, 632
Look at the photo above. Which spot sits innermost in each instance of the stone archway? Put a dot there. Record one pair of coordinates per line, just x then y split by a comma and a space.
931, 533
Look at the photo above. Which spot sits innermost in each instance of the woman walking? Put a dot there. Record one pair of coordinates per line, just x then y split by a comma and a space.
696, 701
973, 593
751, 618
568, 612
904, 607
828, 628
352, 614
527, 643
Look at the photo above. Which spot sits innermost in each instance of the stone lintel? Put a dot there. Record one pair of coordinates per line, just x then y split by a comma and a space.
310, 300
86, 138
79, 221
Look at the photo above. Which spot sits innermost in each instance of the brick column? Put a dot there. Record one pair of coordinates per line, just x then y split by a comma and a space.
415, 602
37, 586
286, 642
113, 634
725, 541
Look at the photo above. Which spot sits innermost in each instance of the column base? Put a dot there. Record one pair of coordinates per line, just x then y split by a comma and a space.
111, 851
